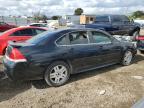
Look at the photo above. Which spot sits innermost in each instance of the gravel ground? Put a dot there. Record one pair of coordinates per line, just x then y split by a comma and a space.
111, 87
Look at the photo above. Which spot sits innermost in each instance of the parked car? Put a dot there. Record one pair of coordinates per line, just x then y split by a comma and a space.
39, 24
56, 55
18, 34
4, 26
140, 43
115, 25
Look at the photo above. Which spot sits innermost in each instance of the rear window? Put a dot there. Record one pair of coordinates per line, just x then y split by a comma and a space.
40, 37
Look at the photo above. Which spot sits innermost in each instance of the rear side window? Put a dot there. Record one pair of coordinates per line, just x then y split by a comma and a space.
24, 32
102, 19
79, 37
100, 38
63, 41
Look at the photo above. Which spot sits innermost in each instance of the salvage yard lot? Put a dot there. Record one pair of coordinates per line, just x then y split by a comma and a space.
112, 87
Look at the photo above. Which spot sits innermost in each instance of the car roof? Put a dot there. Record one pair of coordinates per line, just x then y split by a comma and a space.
38, 23
110, 15
80, 29
20, 28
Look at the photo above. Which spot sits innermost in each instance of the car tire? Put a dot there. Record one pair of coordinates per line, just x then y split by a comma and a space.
127, 58
57, 74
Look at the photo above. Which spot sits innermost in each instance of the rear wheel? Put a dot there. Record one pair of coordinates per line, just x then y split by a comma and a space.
127, 58
57, 74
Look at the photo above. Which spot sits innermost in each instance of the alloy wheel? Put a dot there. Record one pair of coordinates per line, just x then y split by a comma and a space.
128, 57
58, 74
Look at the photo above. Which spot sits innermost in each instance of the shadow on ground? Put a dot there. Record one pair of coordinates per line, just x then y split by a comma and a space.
9, 89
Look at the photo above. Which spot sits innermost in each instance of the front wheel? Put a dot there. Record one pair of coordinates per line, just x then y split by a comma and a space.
127, 58
57, 74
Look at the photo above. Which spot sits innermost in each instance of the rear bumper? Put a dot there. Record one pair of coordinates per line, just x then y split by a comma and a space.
22, 70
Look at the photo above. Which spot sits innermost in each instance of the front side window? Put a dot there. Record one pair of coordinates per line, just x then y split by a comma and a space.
100, 38
79, 37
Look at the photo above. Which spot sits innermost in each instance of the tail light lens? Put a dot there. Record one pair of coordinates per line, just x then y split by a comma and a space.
16, 55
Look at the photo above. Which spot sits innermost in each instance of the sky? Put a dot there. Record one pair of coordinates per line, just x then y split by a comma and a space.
67, 7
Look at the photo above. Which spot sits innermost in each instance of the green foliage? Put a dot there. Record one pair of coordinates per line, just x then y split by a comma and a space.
55, 17
78, 11
138, 14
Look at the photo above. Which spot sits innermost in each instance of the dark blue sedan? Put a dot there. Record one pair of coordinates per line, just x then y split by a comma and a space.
55, 55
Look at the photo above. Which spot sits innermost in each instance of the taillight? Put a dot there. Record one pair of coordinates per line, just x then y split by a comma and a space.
16, 55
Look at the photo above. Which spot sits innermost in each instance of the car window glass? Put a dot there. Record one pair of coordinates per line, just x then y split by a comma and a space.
38, 31
100, 38
116, 19
63, 41
17, 33
102, 19
25, 32
78, 37
125, 19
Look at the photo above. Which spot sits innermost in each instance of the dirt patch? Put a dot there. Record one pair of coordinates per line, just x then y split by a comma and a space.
82, 91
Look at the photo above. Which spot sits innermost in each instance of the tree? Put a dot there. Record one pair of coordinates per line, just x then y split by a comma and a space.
37, 17
78, 11
138, 14
55, 17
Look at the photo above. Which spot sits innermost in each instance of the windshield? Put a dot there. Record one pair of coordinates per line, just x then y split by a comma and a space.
38, 38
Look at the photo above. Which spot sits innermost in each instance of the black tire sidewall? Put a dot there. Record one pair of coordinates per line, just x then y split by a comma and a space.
50, 67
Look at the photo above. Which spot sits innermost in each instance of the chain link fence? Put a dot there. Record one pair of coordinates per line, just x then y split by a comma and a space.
16, 21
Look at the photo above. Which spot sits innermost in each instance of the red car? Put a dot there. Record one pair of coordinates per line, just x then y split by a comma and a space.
4, 26
140, 43
18, 34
